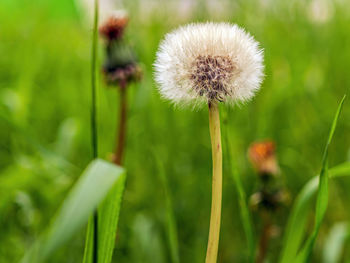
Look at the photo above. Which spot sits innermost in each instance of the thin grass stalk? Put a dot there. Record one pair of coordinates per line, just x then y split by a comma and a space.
244, 211
121, 134
215, 217
171, 221
94, 144
322, 194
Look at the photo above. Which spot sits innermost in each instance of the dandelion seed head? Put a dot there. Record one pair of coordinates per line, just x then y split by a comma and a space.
207, 62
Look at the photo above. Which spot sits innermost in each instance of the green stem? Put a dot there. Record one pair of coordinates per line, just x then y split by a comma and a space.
242, 200
94, 122
215, 217
121, 135
93, 86
264, 239
95, 239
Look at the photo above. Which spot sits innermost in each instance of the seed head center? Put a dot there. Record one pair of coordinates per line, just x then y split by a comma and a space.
211, 76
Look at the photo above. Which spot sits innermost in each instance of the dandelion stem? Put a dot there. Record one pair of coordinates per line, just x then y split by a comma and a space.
120, 140
94, 122
215, 217
264, 239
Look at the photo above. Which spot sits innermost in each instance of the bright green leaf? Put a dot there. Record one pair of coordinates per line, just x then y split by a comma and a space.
322, 194
108, 215
298, 216
297, 220
90, 190
335, 241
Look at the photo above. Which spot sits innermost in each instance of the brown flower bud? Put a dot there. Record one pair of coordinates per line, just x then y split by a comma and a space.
262, 156
113, 28
270, 199
127, 74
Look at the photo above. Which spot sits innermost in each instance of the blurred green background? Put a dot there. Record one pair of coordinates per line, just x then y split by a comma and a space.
45, 111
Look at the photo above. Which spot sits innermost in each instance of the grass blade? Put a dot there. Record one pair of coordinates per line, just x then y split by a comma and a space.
94, 141
297, 221
335, 243
89, 242
94, 145
90, 190
170, 217
108, 213
322, 195
339, 170
244, 210
299, 212
298, 217
108, 221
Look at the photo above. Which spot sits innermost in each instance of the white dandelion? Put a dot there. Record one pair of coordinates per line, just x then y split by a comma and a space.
205, 62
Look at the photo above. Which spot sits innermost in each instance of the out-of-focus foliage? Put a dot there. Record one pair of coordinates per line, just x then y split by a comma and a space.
92, 188
108, 215
295, 229
44, 123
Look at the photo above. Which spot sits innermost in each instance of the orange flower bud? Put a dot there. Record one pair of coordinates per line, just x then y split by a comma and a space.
262, 156
113, 28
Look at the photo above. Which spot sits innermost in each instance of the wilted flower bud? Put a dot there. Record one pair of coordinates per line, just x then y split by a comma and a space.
270, 199
120, 66
113, 27
262, 156
127, 73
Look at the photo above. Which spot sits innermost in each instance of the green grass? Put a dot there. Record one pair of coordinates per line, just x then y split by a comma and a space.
45, 84
93, 188
322, 195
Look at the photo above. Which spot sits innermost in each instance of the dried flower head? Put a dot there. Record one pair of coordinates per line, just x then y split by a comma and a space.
120, 65
126, 73
262, 156
206, 62
113, 27
271, 200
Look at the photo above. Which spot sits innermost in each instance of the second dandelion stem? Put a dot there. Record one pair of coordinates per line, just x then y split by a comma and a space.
215, 217
120, 139
264, 239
